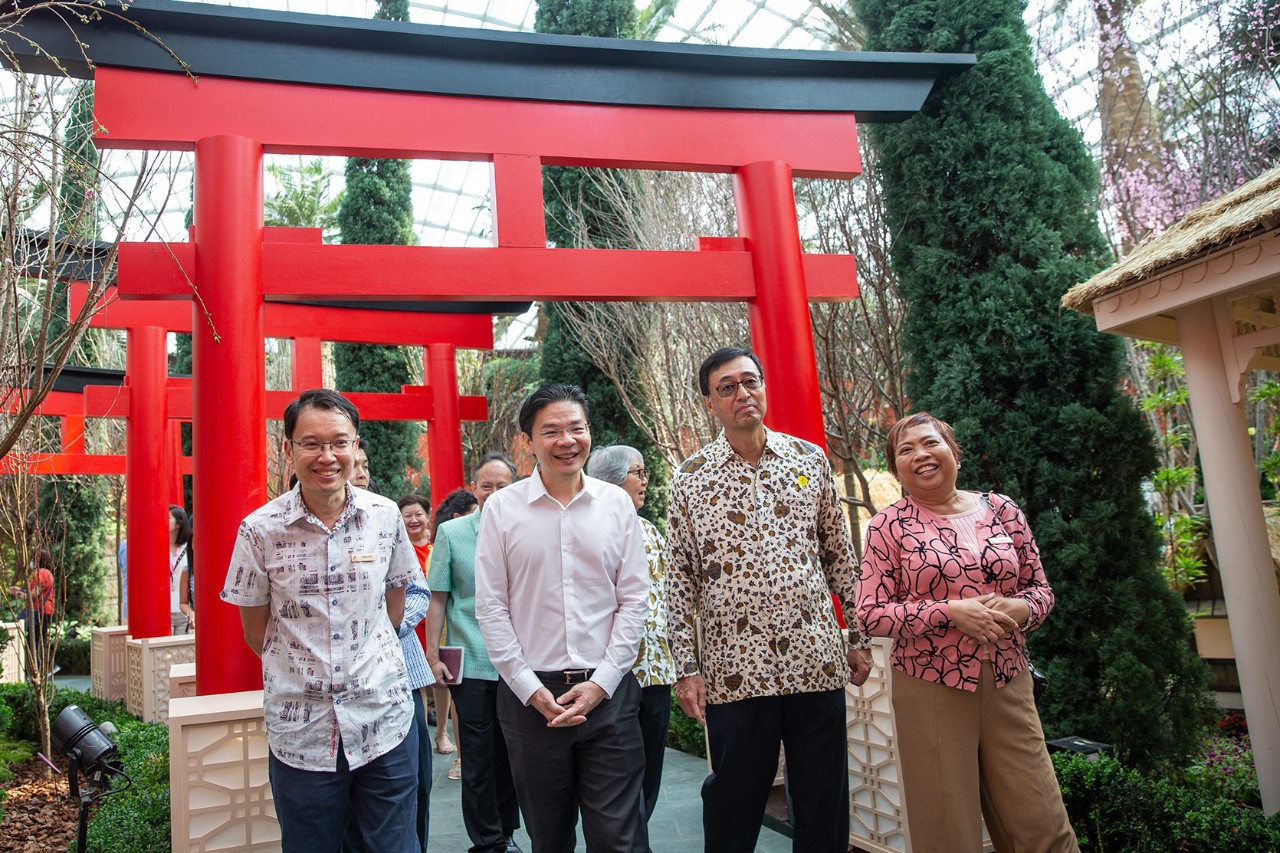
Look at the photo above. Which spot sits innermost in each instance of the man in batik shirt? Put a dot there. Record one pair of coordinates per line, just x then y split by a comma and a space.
319, 575
756, 545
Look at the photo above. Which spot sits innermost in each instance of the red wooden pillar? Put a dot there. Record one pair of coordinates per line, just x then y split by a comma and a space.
229, 395
781, 333
445, 431
175, 462
147, 506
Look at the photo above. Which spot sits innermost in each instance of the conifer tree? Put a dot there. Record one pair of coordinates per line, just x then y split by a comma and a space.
992, 194
577, 209
70, 505
378, 209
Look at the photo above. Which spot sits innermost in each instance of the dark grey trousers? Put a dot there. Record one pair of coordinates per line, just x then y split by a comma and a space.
595, 768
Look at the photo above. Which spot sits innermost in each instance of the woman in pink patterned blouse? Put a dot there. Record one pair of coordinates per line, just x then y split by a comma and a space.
954, 577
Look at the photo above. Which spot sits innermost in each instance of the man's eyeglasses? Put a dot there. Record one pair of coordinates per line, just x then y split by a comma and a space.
729, 389
575, 431
311, 448
641, 473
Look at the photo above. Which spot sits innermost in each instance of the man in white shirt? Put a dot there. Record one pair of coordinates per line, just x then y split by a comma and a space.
561, 597
319, 575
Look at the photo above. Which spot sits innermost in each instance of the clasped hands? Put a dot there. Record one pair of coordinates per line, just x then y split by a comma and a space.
571, 708
988, 618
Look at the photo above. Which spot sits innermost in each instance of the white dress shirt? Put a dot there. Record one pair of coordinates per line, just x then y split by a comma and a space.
561, 587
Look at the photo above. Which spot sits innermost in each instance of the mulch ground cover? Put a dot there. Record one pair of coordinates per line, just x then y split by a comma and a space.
39, 815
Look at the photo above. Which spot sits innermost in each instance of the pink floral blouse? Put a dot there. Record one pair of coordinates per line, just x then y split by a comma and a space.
912, 565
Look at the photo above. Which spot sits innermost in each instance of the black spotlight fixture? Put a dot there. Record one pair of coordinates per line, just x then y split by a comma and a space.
90, 754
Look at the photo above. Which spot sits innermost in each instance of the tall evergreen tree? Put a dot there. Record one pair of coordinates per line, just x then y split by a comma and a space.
578, 210
991, 194
378, 209
73, 512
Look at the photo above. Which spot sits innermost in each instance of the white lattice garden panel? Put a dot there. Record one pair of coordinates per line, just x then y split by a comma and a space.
109, 663
149, 662
218, 782
877, 814
182, 681
13, 660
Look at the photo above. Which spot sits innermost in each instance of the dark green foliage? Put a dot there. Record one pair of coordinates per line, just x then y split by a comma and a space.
21, 701
137, 819
573, 196
684, 733
378, 209
74, 521
6, 719
73, 655
71, 513
1114, 808
991, 194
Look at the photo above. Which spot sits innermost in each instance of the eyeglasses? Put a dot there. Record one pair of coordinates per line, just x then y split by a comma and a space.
729, 389
311, 448
575, 431
641, 473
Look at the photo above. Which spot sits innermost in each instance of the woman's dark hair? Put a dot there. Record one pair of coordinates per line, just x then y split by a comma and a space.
457, 503
184, 524
545, 396
918, 419
44, 560
724, 355
415, 498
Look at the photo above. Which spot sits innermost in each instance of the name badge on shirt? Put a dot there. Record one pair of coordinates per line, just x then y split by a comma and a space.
1000, 540
363, 558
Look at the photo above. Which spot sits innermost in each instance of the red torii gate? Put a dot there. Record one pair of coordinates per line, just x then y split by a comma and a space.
231, 123
149, 321
72, 408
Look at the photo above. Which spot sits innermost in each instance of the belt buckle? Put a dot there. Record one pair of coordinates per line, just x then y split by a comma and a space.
571, 674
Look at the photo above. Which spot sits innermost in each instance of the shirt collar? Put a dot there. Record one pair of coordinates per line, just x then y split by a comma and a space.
297, 510
720, 451
537, 489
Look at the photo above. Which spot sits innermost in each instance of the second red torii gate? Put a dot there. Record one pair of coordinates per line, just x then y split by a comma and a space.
148, 322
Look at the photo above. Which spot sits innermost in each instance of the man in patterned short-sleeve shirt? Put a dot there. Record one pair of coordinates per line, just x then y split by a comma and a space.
756, 545
319, 575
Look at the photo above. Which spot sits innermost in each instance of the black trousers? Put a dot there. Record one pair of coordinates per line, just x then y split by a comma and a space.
743, 739
655, 718
589, 768
489, 808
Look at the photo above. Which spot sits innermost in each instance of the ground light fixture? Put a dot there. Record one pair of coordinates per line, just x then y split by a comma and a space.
90, 754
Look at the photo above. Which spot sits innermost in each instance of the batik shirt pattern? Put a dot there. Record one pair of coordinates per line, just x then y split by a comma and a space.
757, 552
654, 666
913, 563
332, 666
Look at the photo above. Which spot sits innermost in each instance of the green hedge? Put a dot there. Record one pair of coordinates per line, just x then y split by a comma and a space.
684, 733
73, 655
135, 820
1118, 810
21, 701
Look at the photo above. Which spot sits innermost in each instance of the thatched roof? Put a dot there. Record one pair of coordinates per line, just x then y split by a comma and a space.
1238, 215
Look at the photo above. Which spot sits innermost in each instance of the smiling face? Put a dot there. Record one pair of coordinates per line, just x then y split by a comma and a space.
416, 523
742, 409
490, 477
926, 466
323, 474
560, 440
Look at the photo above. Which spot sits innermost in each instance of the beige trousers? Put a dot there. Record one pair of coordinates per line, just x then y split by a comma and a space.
967, 756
